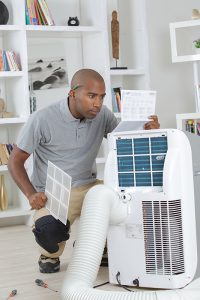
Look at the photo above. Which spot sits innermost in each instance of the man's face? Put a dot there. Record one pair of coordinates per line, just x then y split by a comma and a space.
89, 99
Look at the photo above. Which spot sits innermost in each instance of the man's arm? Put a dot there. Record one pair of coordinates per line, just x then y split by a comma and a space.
16, 167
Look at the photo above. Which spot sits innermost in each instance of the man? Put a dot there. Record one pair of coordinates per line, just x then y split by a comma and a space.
69, 134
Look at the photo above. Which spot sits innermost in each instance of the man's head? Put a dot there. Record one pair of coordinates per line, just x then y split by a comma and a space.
86, 94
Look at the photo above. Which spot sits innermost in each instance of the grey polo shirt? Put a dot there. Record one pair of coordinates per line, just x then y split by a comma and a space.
54, 134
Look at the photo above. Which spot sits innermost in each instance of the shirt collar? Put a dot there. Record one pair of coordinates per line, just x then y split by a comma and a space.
66, 114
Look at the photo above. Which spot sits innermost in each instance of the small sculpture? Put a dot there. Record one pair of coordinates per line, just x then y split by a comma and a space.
73, 21
115, 35
3, 112
3, 194
115, 39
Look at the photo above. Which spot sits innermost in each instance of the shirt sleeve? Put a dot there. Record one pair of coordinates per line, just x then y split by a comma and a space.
31, 134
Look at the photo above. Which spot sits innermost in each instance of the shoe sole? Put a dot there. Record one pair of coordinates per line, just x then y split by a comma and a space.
49, 270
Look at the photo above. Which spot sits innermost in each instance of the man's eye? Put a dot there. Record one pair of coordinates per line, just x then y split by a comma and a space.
91, 96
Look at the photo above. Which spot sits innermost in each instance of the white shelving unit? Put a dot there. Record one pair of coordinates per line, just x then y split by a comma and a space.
189, 122
133, 49
86, 46
182, 35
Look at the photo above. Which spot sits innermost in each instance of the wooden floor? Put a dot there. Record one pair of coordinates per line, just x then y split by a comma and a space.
19, 267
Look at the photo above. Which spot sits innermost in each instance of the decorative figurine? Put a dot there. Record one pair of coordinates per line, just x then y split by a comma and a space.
4, 14
73, 21
3, 112
3, 194
115, 39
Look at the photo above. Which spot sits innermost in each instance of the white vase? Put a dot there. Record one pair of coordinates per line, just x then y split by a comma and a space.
3, 195
197, 50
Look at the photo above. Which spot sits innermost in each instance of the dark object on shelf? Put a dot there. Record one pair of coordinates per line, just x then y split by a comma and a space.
119, 68
4, 14
73, 21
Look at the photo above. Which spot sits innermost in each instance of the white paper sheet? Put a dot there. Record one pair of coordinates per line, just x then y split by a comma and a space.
57, 190
137, 105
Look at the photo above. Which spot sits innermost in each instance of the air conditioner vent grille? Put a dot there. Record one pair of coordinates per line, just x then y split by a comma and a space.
140, 161
163, 237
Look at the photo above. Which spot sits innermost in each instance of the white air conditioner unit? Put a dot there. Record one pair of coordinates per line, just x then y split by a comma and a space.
156, 173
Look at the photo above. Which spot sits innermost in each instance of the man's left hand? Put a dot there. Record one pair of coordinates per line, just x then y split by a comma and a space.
153, 123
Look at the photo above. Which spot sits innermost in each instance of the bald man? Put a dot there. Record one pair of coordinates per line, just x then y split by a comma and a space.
69, 134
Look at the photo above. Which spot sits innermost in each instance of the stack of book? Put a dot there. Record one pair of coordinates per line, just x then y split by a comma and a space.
116, 99
38, 13
193, 126
9, 61
5, 150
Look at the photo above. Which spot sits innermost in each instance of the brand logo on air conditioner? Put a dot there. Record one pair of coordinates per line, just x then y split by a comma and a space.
160, 157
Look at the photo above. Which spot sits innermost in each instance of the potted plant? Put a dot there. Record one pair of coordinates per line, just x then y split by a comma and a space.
197, 45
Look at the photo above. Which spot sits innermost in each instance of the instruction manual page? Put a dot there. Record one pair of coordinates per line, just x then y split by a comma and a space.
137, 105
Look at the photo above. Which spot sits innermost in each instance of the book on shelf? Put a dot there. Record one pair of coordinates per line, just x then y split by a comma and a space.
37, 12
193, 126
5, 62
1, 60
116, 99
46, 11
32, 20
27, 14
40, 15
9, 61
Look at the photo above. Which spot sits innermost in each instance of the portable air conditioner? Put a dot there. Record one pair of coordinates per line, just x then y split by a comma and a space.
156, 173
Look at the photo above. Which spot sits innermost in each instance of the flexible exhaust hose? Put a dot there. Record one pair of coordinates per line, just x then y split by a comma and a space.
102, 207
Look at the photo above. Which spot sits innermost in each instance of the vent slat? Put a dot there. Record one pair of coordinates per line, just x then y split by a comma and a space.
163, 237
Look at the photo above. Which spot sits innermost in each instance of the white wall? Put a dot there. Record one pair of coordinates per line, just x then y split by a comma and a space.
173, 82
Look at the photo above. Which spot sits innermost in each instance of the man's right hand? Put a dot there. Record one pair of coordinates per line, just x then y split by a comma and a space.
37, 200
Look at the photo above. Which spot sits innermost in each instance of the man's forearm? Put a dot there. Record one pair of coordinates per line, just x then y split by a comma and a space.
21, 178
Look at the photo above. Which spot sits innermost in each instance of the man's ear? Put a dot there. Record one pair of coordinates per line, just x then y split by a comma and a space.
71, 93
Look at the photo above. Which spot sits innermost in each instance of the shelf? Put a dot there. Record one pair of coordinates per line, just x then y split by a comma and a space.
15, 212
60, 31
188, 116
181, 120
10, 28
7, 121
8, 74
128, 72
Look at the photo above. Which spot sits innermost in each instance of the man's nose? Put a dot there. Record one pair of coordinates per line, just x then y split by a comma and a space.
98, 101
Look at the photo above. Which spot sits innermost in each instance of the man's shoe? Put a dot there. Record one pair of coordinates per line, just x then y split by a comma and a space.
104, 260
48, 264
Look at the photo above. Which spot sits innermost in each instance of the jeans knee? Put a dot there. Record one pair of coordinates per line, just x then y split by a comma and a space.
49, 232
